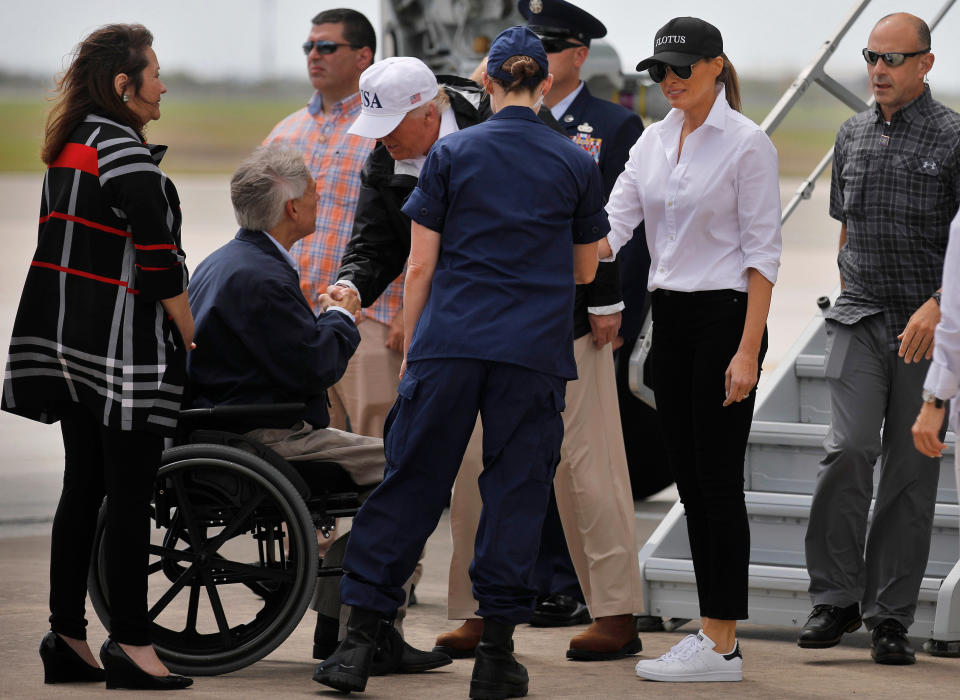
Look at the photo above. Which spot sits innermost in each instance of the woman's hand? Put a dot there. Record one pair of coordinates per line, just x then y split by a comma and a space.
740, 377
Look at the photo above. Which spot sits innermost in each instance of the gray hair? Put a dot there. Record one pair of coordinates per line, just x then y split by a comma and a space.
265, 181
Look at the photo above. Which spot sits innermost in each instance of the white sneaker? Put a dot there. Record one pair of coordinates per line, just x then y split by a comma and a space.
693, 659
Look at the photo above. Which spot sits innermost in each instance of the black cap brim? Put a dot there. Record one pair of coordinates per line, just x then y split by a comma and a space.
673, 58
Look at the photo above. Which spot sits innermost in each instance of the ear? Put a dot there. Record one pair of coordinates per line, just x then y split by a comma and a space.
364, 58
716, 66
120, 81
547, 84
926, 63
580, 55
485, 81
290, 208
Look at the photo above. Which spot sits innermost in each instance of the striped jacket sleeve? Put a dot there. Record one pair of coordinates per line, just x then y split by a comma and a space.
141, 194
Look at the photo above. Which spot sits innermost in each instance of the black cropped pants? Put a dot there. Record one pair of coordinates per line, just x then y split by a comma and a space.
695, 335
101, 461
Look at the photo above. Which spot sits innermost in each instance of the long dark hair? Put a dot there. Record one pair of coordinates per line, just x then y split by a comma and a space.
731, 83
87, 85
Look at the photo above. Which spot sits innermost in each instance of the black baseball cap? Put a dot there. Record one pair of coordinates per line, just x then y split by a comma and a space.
683, 41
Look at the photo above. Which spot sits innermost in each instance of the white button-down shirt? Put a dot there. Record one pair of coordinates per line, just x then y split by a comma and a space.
710, 214
943, 377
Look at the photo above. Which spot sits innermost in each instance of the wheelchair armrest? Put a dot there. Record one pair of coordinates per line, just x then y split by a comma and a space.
237, 417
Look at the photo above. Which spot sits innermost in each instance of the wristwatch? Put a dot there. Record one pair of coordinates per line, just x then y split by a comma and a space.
930, 397
936, 297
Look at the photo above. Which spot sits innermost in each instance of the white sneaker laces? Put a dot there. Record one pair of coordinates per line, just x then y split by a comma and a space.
683, 650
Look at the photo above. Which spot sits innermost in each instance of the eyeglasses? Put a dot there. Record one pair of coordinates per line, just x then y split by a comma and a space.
658, 71
891, 58
324, 47
556, 44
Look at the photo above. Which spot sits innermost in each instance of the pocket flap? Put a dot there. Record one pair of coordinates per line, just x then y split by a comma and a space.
408, 385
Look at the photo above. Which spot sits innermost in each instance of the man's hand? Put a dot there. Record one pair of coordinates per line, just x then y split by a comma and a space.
740, 377
916, 341
343, 297
395, 332
926, 431
604, 328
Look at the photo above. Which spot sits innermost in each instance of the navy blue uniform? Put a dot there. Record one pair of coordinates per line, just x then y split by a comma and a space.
510, 198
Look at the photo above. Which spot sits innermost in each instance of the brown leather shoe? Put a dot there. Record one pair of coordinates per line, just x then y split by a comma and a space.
613, 637
461, 642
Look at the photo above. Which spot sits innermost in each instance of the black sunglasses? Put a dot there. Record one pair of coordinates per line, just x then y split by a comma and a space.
891, 58
658, 71
556, 45
324, 47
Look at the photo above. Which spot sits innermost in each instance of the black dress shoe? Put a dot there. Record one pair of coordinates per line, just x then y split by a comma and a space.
61, 664
394, 655
890, 644
496, 674
559, 610
827, 625
648, 623
348, 668
122, 672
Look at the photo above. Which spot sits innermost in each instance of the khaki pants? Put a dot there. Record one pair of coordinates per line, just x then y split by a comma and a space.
368, 388
592, 485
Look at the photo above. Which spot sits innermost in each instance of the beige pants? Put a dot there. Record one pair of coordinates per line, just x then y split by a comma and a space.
368, 388
593, 497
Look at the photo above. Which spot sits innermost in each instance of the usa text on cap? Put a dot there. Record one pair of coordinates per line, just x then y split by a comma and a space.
389, 89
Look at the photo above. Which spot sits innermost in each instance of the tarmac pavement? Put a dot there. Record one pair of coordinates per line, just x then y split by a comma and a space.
774, 667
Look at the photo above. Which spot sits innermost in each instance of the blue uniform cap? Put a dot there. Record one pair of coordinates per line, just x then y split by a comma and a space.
558, 18
515, 41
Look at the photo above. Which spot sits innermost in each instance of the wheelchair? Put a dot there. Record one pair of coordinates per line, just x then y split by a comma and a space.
233, 555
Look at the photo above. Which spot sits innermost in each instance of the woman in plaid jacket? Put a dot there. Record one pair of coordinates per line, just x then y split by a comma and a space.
100, 344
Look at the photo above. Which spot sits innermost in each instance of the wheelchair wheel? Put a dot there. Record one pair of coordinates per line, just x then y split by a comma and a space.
233, 560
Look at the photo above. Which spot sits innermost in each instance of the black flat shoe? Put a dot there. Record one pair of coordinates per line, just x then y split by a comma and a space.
61, 664
394, 655
827, 624
890, 644
122, 672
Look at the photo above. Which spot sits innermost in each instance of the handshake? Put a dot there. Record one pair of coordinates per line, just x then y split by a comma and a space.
344, 297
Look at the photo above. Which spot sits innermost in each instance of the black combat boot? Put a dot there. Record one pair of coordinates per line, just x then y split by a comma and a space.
496, 674
348, 668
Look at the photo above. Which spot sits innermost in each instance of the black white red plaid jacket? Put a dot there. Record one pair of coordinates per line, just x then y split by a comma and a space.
90, 328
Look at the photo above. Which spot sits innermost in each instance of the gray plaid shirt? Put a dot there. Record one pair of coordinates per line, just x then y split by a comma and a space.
896, 187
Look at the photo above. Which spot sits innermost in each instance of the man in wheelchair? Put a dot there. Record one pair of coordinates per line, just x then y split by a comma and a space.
259, 342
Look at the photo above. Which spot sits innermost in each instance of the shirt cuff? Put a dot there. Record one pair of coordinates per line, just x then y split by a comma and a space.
343, 311
941, 382
349, 285
606, 310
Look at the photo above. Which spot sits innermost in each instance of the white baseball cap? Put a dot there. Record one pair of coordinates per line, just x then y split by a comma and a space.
388, 90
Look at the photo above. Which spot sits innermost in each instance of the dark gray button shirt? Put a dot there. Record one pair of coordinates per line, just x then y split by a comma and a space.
897, 187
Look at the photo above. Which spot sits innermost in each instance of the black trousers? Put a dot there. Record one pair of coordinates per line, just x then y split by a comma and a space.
101, 461
694, 338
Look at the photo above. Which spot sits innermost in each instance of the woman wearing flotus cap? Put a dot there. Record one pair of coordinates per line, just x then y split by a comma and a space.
705, 182
506, 217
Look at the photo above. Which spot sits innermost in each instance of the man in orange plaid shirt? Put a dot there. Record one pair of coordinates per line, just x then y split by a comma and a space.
340, 46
